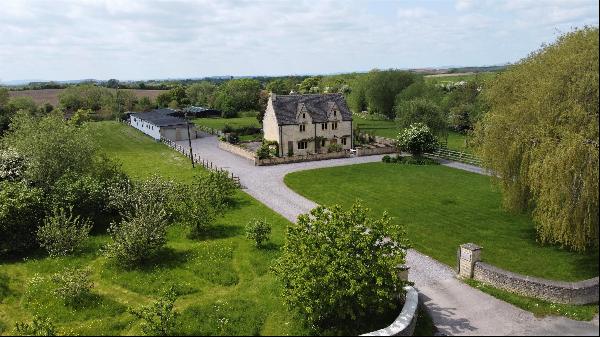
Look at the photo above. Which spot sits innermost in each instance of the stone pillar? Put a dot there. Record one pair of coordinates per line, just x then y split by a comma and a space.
469, 254
403, 272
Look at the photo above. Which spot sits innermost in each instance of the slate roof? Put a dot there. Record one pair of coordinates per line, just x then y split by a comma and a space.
160, 117
317, 105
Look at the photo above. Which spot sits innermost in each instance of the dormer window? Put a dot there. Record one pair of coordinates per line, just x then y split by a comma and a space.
303, 115
334, 113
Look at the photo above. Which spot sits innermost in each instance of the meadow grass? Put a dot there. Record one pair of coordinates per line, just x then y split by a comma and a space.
223, 279
442, 208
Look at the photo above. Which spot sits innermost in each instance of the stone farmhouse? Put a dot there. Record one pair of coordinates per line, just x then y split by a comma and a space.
162, 123
307, 124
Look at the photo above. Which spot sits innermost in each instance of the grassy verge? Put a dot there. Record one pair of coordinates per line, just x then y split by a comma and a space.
539, 308
443, 208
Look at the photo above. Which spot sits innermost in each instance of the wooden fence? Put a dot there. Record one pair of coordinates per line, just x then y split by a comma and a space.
207, 164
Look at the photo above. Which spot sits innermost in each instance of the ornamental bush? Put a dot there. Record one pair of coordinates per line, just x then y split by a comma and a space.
263, 152
338, 266
73, 285
416, 140
62, 233
137, 237
334, 148
258, 230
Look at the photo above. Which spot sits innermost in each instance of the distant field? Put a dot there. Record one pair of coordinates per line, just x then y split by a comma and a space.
51, 95
457, 77
218, 123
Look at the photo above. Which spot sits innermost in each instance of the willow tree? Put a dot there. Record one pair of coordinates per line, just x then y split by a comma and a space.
540, 138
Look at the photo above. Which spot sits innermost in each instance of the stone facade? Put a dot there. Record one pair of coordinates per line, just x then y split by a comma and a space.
307, 124
470, 266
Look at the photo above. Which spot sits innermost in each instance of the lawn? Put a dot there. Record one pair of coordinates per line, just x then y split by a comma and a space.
224, 280
443, 208
389, 129
218, 123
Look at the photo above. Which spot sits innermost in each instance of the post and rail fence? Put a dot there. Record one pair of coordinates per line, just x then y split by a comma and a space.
207, 164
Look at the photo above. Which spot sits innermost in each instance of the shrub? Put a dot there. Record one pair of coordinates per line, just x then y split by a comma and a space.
21, 212
334, 147
416, 139
416, 161
216, 187
355, 273
159, 318
73, 285
258, 230
63, 233
386, 159
139, 236
263, 152
194, 211
12, 165
127, 196
39, 326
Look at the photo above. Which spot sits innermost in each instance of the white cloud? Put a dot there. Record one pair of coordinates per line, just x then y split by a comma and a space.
66, 39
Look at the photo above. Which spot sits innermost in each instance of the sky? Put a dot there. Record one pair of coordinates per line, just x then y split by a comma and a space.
132, 40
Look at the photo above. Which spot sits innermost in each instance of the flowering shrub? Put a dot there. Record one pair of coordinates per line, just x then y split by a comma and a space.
62, 233
416, 139
74, 285
258, 230
339, 266
40, 326
12, 165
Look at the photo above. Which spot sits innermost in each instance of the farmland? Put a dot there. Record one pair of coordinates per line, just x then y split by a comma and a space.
50, 96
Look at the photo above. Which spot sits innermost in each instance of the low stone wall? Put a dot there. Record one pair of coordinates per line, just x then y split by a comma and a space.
375, 151
470, 266
238, 150
386, 141
404, 324
583, 292
297, 159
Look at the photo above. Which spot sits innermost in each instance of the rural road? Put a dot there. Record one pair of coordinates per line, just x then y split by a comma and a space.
456, 308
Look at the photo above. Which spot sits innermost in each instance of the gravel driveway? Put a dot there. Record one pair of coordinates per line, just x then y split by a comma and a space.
456, 308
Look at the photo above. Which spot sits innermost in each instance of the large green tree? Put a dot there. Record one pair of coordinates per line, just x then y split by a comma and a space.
421, 110
202, 93
238, 95
540, 138
381, 88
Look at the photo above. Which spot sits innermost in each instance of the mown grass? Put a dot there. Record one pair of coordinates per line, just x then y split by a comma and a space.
443, 208
538, 307
223, 280
389, 129
218, 123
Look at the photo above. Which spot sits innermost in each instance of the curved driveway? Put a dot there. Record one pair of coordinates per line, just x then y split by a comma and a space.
456, 308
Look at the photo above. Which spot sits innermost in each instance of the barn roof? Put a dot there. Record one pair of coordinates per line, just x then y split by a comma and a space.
317, 105
160, 117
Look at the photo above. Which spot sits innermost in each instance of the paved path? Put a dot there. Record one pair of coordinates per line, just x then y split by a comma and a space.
456, 308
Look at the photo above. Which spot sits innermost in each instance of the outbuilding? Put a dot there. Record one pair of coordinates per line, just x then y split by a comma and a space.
161, 123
